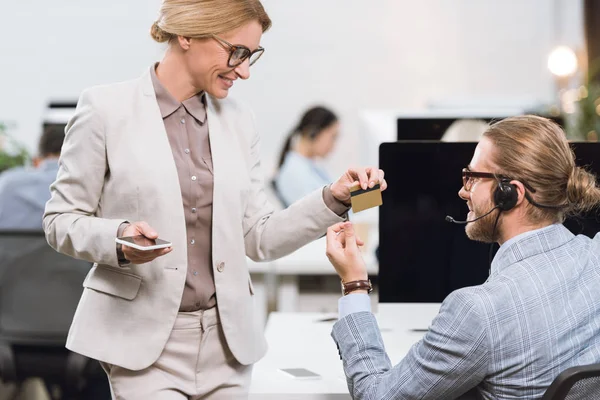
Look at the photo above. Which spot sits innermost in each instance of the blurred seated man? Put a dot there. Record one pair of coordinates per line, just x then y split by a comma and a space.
24, 191
312, 139
23, 195
536, 315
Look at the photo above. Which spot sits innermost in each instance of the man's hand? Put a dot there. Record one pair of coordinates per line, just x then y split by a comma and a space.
139, 256
366, 177
343, 252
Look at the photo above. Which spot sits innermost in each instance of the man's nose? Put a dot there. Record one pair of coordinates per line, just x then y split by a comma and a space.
464, 194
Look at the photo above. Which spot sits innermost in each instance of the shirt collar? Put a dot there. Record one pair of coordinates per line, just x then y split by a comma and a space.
529, 244
195, 105
49, 164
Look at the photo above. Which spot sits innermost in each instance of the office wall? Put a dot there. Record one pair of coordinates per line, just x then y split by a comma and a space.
348, 54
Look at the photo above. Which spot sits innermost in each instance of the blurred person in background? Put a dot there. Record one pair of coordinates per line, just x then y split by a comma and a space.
24, 191
171, 154
465, 130
310, 141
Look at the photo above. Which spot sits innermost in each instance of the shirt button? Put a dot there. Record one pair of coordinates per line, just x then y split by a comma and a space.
194, 210
187, 151
195, 273
221, 266
194, 177
193, 241
182, 121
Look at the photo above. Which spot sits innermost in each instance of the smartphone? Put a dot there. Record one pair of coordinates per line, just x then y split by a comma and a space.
300, 373
141, 242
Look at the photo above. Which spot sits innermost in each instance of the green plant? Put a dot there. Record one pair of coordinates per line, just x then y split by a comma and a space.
12, 153
587, 116
587, 123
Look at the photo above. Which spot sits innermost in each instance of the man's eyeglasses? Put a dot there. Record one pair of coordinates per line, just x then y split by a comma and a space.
469, 177
239, 53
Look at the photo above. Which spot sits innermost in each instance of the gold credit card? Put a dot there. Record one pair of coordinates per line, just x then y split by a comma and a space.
362, 199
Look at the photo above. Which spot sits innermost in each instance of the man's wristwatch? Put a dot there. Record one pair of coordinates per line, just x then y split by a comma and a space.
348, 287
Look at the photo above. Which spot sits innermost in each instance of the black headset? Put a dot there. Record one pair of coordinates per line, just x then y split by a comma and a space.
505, 198
505, 195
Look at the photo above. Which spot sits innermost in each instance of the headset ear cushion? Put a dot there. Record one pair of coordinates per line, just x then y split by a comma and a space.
506, 195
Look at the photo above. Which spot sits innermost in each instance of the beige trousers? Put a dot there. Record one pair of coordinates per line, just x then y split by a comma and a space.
195, 364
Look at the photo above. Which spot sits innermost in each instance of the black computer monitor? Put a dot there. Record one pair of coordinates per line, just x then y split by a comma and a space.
433, 128
423, 258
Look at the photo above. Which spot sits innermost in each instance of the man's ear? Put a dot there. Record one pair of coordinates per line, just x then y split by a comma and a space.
520, 191
184, 42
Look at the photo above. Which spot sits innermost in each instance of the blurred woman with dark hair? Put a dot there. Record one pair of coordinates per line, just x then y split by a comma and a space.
312, 139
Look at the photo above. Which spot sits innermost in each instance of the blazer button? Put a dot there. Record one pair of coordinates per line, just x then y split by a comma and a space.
221, 266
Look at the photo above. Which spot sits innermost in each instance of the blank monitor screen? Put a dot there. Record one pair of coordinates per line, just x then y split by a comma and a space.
423, 258
433, 128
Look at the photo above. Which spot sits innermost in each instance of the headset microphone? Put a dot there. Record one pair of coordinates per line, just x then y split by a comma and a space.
450, 219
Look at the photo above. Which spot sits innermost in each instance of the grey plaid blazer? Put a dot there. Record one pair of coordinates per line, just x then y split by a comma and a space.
537, 314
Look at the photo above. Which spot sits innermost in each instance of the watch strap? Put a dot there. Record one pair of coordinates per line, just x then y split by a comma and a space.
348, 287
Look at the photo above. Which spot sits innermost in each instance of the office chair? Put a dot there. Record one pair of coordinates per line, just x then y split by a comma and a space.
39, 291
575, 383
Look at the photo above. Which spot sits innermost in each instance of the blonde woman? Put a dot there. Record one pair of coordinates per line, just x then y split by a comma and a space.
170, 155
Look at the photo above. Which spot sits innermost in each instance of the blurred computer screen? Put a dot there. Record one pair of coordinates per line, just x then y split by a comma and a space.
434, 127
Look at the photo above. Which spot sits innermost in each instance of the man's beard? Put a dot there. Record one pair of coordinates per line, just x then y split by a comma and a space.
484, 230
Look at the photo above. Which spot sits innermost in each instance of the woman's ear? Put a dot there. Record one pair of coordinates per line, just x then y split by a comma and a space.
184, 42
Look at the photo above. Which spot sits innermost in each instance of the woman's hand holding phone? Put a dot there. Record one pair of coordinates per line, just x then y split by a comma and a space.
142, 256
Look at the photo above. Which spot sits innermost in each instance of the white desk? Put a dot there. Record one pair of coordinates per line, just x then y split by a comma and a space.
303, 340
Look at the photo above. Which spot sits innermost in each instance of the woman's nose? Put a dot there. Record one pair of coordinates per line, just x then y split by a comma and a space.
243, 70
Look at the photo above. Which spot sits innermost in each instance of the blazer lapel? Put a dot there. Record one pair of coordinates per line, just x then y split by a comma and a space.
157, 158
218, 148
225, 190
218, 145
153, 134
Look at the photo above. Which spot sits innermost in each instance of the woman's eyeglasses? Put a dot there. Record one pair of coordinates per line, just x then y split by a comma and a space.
239, 53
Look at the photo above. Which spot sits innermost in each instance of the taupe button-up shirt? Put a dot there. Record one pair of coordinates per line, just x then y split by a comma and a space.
187, 129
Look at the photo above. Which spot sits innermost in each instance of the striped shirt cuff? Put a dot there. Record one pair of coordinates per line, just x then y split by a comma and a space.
353, 303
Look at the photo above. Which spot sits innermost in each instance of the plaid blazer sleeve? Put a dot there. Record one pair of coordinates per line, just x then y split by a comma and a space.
451, 358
